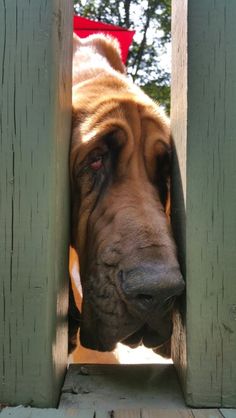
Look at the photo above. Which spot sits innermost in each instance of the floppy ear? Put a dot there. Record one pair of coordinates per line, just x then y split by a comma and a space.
75, 295
74, 318
109, 48
93, 54
163, 166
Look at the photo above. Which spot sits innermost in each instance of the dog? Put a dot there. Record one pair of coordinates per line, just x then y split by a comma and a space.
120, 161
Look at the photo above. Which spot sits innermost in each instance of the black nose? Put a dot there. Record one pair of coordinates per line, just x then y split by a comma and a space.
151, 286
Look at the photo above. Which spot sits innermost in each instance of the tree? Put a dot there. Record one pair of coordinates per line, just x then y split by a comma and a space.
151, 20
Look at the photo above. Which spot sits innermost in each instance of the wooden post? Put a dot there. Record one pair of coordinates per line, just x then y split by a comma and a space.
35, 114
204, 196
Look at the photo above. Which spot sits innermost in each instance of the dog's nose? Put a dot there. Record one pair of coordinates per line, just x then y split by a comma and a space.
147, 287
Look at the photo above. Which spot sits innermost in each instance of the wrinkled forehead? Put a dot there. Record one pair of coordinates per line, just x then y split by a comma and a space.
132, 123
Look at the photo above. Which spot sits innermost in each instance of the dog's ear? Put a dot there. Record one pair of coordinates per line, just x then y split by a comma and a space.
94, 53
74, 318
163, 168
75, 300
109, 47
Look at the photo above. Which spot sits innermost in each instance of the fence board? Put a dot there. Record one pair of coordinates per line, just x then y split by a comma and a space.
204, 206
35, 109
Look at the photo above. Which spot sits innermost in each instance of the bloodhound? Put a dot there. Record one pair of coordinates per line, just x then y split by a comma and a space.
119, 167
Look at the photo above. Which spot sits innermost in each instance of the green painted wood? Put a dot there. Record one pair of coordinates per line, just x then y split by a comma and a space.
228, 413
204, 205
206, 413
35, 113
21, 412
127, 413
121, 387
27, 412
99, 413
166, 413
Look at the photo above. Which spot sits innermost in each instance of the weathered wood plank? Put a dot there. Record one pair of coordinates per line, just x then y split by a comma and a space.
21, 412
73, 409
101, 413
206, 413
121, 387
228, 413
203, 124
179, 178
126, 413
166, 413
35, 108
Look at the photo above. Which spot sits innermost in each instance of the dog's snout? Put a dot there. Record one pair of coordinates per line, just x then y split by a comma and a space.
149, 287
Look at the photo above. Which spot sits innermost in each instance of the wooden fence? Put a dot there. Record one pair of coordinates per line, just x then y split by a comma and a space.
35, 112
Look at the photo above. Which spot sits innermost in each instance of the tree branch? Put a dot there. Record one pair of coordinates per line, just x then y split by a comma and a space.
149, 13
127, 13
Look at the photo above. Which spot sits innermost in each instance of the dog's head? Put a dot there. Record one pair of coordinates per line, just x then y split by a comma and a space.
120, 160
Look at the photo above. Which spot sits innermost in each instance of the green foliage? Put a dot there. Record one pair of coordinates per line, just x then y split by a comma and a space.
151, 20
159, 93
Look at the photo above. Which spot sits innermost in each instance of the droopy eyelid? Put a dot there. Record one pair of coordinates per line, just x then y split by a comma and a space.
84, 166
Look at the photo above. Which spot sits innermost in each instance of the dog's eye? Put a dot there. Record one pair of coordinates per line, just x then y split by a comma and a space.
92, 164
96, 164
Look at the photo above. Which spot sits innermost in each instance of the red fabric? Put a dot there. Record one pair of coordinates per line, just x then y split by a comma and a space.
84, 27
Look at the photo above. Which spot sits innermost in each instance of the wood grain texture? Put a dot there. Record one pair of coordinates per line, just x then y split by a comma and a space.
166, 413
206, 413
35, 114
228, 413
120, 387
21, 412
101, 413
127, 413
206, 127
178, 183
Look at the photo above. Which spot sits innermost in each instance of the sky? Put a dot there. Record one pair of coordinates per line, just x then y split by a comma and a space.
152, 33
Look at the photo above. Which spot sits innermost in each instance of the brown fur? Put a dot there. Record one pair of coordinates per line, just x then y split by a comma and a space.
119, 218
